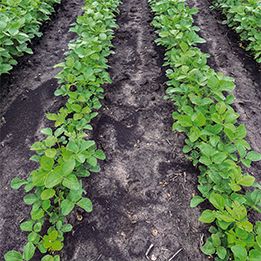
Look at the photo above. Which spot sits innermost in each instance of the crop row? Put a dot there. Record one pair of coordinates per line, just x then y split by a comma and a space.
20, 21
245, 18
67, 153
215, 141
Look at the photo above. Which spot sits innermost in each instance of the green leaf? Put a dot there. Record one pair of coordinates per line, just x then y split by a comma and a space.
46, 163
50, 141
103, 36
207, 149
225, 217
217, 200
241, 150
221, 252
99, 154
92, 161
27, 225
195, 201
16, 183
30, 199
208, 248
234, 187
56, 258
46, 204
221, 107
71, 182
81, 157
245, 225
57, 245
54, 178
83, 173
47, 194
68, 167
86, 204
246, 181
219, 157
47, 258
38, 227
194, 134
216, 240
253, 156
85, 145
241, 131
42, 248
67, 206
254, 255
76, 107
47, 131
239, 252
67, 228
207, 216
199, 119
223, 225
205, 160
230, 133
184, 121
246, 162
29, 250
258, 240
72, 146
53, 235
37, 214
33, 237
50, 258
50, 153
13, 256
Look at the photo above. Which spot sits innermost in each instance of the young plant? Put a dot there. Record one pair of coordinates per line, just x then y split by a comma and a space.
245, 18
215, 141
20, 22
67, 154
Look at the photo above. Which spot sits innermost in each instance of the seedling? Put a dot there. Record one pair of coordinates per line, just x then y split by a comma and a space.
66, 154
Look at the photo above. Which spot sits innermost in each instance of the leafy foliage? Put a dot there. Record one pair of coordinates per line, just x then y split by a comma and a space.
66, 154
215, 141
20, 21
245, 17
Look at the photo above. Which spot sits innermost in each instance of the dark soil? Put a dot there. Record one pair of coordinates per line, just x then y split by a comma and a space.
141, 197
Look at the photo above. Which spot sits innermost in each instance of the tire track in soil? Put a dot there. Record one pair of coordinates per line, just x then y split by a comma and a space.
229, 58
26, 94
142, 194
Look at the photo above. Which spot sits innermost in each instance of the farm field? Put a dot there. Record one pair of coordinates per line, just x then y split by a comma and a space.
142, 192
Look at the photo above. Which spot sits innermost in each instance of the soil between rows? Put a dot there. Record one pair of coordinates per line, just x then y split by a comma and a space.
141, 197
